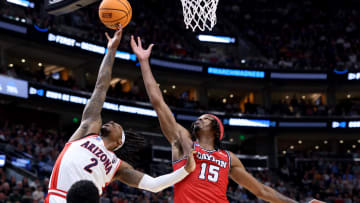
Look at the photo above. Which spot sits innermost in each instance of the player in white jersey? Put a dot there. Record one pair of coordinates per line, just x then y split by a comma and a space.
89, 153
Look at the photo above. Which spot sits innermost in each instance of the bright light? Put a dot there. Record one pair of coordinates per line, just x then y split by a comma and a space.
165, 91
353, 146
316, 147
300, 141
40, 64
174, 86
11, 65
303, 97
286, 97
341, 141
158, 85
243, 61
231, 95
358, 141
23, 60
284, 152
348, 151
217, 39
348, 96
291, 147
325, 142
231, 140
224, 100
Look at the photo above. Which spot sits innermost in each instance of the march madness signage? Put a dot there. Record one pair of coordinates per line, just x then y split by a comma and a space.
59, 7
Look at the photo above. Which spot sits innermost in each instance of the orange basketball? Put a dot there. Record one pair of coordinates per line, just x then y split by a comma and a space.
115, 12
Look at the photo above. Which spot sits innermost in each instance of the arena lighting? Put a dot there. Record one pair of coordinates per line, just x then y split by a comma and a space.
174, 65
87, 46
303, 124
34, 91
92, 47
250, 122
137, 110
338, 124
236, 73
22, 163
354, 124
2, 160
40, 29
82, 100
216, 39
299, 76
12, 27
340, 72
23, 3
354, 76
13, 87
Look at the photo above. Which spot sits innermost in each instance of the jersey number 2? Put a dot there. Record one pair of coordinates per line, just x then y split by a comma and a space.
213, 172
88, 167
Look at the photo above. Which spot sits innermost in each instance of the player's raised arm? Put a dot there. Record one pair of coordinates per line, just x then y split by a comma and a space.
242, 177
171, 129
128, 175
91, 118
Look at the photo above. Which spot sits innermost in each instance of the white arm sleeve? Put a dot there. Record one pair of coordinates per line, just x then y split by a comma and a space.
159, 183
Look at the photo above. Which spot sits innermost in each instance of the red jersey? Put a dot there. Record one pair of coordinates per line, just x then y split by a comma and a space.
208, 182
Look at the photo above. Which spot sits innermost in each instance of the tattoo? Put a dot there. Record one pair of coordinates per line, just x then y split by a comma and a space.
129, 176
93, 107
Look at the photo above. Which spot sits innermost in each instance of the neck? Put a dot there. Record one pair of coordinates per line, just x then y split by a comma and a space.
107, 143
206, 141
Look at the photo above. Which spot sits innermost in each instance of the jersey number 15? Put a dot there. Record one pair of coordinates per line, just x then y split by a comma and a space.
213, 174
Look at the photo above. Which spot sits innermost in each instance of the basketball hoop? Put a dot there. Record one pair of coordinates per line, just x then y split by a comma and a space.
199, 14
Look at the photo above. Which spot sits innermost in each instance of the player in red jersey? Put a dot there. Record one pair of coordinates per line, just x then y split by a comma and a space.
208, 183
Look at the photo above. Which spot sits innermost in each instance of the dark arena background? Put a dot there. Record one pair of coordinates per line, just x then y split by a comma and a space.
283, 76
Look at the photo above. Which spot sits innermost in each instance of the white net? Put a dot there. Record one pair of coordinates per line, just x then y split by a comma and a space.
200, 14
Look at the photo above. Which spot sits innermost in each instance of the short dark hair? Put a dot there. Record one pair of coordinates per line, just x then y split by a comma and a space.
83, 191
216, 127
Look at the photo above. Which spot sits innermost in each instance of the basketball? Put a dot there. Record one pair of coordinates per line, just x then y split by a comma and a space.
115, 12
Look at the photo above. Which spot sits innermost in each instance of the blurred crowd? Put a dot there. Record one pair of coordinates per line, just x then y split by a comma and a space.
301, 179
294, 105
303, 35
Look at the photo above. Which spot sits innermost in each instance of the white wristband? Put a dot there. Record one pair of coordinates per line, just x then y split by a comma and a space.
159, 183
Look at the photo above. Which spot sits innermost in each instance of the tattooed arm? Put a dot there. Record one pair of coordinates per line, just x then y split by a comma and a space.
91, 118
242, 177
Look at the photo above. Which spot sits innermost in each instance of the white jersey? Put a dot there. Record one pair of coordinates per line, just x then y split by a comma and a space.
84, 159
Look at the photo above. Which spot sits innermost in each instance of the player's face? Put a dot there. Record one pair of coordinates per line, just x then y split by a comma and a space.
114, 130
203, 122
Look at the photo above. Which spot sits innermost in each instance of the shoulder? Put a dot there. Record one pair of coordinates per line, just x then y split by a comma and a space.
235, 161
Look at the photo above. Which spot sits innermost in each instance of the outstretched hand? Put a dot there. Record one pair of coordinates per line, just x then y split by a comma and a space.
141, 54
114, 42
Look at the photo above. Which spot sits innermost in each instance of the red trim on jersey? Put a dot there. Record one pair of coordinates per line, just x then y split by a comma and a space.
58, 190
91, 135
56, 194
56, 169
117, 168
